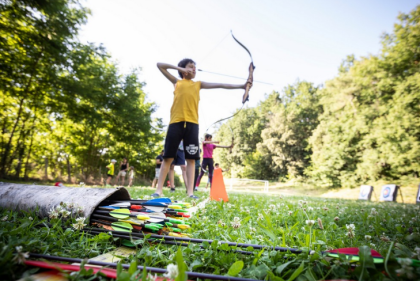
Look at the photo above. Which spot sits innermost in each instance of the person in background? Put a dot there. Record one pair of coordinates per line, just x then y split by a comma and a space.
131, 176
123, 170
197, 170
110, 173
208, 146
208, 182
216, 166
159, 160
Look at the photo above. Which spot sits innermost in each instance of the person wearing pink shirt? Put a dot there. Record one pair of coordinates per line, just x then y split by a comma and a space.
207, 164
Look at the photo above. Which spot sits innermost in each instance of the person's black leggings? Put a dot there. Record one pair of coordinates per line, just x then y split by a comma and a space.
207, 164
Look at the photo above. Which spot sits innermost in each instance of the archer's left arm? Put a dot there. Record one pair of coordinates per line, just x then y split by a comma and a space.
207, 85
224, 146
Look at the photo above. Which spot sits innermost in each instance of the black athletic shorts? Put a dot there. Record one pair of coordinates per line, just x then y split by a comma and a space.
186, 131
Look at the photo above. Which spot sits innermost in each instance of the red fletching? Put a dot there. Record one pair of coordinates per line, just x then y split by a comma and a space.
354, 252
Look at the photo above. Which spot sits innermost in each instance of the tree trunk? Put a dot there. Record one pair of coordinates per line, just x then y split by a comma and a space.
68, 170
9, 143
46, 168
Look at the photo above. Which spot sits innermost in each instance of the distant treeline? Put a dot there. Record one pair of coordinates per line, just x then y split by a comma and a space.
65, 111
362, 126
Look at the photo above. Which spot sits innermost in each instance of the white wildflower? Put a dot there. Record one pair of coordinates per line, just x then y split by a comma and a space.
373, 212
236, 223
350, 230
325, 208
406, 268
53, 214
151, 277
252, 229
172, 271
350, 227
372, 245
20, 256
336, 219
290, 213
312, 252
310, 222
4, 218
65, 213
310, 209
30, 218
368, 237
417, 249
260, 217
79, 223
260, 238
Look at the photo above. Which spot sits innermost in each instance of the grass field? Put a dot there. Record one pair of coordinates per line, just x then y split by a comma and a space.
311, 224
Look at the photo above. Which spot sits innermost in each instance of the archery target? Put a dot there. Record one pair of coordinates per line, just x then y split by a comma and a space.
389, 192
418, 196
365, 192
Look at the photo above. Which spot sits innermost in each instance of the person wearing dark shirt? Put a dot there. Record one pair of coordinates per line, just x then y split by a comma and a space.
123, 170
159, 160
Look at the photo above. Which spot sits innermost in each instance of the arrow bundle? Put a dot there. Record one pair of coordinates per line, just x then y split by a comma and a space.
159, 215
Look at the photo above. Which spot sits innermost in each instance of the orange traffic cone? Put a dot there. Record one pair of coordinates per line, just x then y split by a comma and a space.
218, 189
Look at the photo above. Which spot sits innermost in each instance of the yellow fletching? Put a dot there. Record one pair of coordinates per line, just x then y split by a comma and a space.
143, 217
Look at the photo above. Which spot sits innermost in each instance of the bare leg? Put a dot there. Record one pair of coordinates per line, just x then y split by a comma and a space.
123, 180
166, 164
184, 175
172, 176
190, 176
155, 180
108, 180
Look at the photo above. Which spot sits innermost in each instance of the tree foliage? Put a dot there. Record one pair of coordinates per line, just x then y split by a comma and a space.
361, 127
65, 108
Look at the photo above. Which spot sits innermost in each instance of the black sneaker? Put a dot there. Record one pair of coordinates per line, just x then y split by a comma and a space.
172, 190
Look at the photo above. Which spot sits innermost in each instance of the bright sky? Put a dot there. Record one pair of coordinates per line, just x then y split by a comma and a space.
289, 40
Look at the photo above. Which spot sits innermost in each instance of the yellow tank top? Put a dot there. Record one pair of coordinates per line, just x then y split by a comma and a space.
186, 98
111, 169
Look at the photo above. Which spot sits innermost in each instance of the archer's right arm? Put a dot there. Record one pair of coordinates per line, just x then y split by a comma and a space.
163, 67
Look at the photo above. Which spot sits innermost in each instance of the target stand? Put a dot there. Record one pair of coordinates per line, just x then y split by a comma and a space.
366, 192
390, 192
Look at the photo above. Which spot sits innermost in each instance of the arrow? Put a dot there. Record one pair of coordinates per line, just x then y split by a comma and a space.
332, 253
149, 269
124, 226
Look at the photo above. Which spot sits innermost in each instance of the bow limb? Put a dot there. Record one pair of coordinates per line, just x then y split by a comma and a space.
251, 68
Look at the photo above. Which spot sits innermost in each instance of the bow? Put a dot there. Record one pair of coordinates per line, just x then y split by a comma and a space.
250, 69
249, 82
